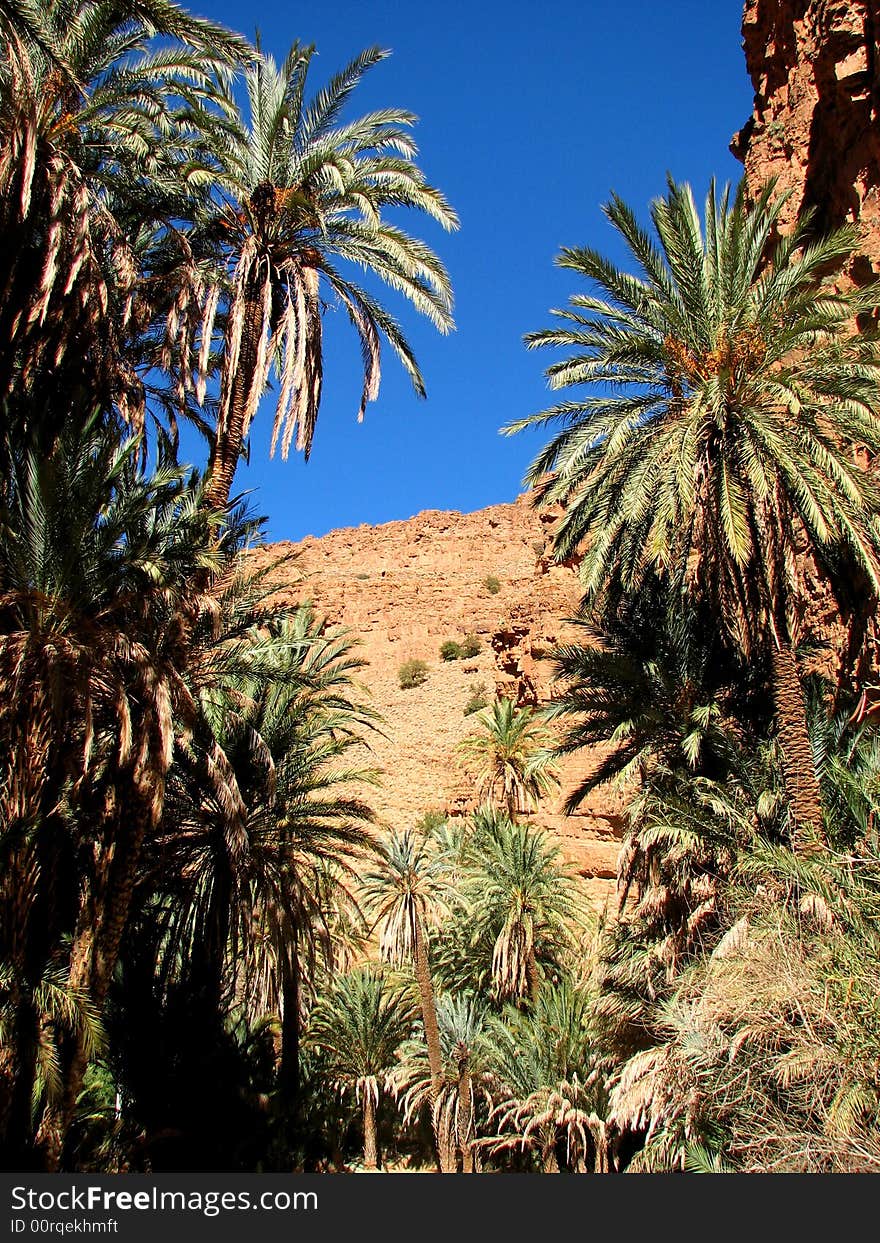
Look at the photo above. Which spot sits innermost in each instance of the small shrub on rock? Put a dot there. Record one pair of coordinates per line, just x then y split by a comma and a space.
492, 585
477, 701
450, 650
471, 646
412, 673
432, 820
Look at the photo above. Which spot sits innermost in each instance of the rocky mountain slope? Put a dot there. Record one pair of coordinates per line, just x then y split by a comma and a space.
406, 587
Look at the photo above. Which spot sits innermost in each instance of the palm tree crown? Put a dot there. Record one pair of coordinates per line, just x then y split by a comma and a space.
511, 756
521, 898
357, 1027
303, 190
723, 393
725, 390
101, 161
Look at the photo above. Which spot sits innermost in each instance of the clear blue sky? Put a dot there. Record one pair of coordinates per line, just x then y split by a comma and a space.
530, 114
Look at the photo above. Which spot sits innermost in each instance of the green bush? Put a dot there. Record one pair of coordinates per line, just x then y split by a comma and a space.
432, 820
478, 700
450, 650
412, 673
471, 646
492, 585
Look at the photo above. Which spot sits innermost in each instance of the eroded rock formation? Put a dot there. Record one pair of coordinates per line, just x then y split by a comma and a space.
404, 588
815, 67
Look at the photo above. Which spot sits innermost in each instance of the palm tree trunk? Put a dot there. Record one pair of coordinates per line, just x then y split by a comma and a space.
465, 1116
432, 1030
371, 1147
533, 976
229, 437
18, 1066
799, 770
447, 1149
95, 951
429, 1011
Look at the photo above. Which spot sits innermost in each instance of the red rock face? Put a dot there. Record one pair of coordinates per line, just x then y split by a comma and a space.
815, 67
403, 589
815, 127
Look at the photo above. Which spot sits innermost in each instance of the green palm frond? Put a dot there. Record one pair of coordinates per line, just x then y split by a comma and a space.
721, 389
510, 756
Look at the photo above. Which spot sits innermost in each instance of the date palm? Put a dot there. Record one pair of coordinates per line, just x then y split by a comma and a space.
520, 898
97, 558
100, 161
463, 1096
510, 756
723, 389
547, 1083
261, 831
405, 892
38, 1013
654, 688
846, 749
304, 191
356, 1028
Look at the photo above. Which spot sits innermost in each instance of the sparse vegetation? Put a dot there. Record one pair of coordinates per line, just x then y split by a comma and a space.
776, 128
430, 821
470, 647
478, 700
412, 673
492, 584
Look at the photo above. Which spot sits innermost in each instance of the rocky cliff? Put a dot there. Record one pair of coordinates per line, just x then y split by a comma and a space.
406, 587
815, 67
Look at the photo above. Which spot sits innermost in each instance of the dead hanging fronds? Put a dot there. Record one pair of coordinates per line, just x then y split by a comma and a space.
208, 318
767, 1051
258, 334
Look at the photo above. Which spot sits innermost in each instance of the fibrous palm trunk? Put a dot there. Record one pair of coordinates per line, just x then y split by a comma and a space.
799, 770
533, 975
465, 1116
432, 1030
100, 927
371, 1147
229, 437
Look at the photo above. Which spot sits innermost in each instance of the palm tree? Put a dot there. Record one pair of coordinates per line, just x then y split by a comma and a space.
725, 388
846, 751
96, 565
519, 898
546, 1082
510, 756
462, 1024
39, 1013
301, 191
357, 1027
405, 892
257, 847
101, 168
